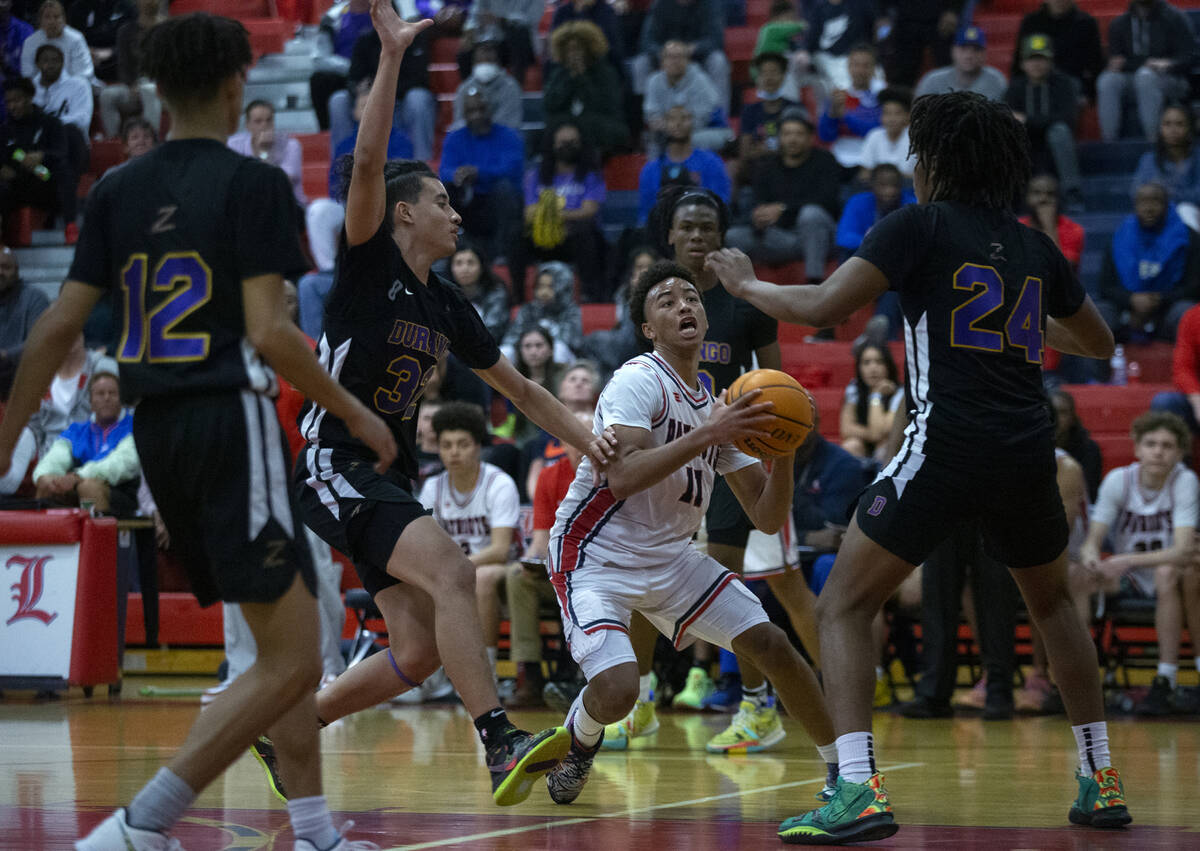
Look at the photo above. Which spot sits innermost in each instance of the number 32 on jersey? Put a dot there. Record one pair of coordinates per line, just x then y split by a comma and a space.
1022, 328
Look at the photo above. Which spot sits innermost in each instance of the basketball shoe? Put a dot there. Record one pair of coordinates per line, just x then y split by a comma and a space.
752, 730
115, 834
566, 780
698, 686
343, 844
520, 758
1101, 800
263, 752
641, 721
857, 812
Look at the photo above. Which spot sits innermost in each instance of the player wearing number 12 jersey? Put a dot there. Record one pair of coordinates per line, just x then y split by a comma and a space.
193, 242
975, 288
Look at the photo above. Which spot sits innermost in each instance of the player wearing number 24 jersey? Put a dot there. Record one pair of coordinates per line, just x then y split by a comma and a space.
982, 297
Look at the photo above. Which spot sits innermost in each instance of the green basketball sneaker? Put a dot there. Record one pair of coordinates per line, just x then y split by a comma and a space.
752, 730
1101, 800
857, 812
698, 686
641, 721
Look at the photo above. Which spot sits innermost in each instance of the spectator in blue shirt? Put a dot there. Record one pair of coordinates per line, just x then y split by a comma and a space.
853, 111
94, 460
13, 32
863, 210
680, 163
483, 165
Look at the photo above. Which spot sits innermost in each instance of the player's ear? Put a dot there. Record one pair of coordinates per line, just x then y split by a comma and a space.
647, 331
402, 212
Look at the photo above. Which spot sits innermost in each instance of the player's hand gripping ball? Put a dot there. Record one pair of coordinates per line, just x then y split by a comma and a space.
793, 411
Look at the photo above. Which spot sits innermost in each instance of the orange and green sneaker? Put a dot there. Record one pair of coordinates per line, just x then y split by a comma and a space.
1101, 801
857, 812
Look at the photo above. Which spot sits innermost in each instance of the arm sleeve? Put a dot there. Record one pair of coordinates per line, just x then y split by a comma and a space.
266, 234
634, 397
119, 465
79, 62
896, 244
92, 263
1186, 494
28, 49
473, 344
79, 106
827, 126
1108, 501
717, 178
56, 462
504, 505
730, 459
428, 493
1065, 294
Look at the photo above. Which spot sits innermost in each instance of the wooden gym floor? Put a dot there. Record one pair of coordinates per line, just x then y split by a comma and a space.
413, 778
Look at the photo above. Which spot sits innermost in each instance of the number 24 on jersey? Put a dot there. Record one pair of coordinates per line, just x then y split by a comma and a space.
1022, 328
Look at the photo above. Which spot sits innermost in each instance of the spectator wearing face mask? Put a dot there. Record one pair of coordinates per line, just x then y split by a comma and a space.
490, 78
563, 196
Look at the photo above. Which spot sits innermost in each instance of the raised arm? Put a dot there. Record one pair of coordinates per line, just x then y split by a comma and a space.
365, 200
855, 283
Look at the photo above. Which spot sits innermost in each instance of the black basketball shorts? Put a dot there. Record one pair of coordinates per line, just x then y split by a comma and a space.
217, 468
918, 500
726, 522
355, 510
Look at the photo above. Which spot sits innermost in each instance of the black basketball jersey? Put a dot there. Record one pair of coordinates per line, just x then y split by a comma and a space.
384, 333
975, 287
736, 329
173, 234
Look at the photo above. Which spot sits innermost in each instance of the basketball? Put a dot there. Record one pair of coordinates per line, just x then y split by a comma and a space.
793, 411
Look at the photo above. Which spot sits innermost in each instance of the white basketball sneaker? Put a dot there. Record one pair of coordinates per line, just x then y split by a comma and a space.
115, 834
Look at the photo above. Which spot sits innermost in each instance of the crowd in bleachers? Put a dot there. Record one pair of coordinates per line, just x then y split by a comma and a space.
797, 120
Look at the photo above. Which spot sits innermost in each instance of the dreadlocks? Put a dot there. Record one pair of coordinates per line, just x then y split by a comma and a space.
662, 215
973, 149
189, 56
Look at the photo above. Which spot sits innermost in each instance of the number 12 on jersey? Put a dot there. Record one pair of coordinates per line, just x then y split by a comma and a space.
1022, 329
148, 330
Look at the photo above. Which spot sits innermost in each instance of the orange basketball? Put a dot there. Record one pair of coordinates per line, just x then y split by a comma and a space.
793, 411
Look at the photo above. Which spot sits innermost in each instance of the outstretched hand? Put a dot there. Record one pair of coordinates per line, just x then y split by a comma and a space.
740, 419
395, 33
734, 269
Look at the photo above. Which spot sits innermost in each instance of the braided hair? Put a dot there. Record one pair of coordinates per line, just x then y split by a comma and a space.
973, 149
662, 215
191, 55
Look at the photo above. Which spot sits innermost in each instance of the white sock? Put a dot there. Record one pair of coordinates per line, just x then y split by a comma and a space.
161, 802
646, 687
586, 729
856, 756
311, 820
757, 696
1171, 672
1092, 741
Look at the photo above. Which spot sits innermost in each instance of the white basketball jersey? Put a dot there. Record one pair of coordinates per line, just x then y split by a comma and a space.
1079, 529
1139, 519
469, 518
655, 525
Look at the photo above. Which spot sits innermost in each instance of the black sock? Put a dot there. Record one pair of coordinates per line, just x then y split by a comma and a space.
492, 725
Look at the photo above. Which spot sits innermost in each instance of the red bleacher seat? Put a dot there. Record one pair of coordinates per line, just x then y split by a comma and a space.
445, 51
621, 172
239, 9
316, 179
597, 317
315, 147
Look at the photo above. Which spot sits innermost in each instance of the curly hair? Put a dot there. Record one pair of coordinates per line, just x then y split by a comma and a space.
973, 150
1155, 420
662, 216
658, 272
191, 55
588, 34
461, 416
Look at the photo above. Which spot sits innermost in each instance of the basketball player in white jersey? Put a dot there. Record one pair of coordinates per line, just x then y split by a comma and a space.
625, 545
1148, 511
477, 505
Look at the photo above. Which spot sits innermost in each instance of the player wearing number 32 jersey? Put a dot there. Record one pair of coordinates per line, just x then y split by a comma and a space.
976, 288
